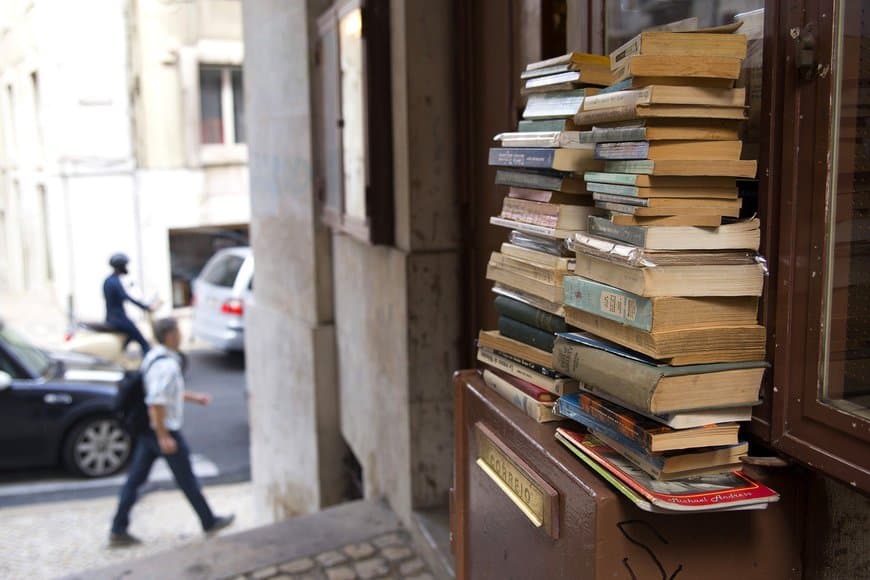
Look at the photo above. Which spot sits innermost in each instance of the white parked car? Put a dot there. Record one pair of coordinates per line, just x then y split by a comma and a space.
221, 293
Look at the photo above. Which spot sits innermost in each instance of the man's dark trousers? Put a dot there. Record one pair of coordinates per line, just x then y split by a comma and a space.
145, 453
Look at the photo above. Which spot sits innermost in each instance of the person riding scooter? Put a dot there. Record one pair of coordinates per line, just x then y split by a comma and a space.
116, 295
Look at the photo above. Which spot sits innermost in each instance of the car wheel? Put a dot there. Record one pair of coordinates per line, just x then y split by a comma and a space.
97, 447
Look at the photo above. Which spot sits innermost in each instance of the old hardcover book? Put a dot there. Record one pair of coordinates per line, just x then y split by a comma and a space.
527, 334
545, 196
665, 112
707, 221
716, 277
745, 168
618, 422
547, 180
681, 464
725, 492
540, 412
649, 387
540, 258
551, 215
574, 160
494, 340
681, 44
666, 95
745, 234
659, 313
556, 105
557, 385
717, 67
656, 181
530, 315
660, 150
679, 347
658, 192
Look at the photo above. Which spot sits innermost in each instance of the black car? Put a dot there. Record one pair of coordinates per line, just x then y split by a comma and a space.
56, 408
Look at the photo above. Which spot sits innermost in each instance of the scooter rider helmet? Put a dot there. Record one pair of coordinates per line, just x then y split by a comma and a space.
119, 261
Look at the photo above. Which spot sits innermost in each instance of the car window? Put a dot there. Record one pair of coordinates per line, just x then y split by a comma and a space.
30, 356
224, 271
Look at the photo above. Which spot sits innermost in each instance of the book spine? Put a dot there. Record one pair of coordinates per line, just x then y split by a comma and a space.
612, 189
608, 134
520, 157
622, 150
540, 412
617, 100
633, 235
529, 315
643, 167
609, 302
616, 178
526, 334
631, 383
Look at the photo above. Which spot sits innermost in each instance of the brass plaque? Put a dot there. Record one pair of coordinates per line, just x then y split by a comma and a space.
525, 488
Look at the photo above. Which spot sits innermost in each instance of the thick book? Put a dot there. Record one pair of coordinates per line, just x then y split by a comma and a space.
657, 181
498, 272
660, 313
556, 385
494, 340
575, 160
556, 105
681, 465
649, 387
657, 192
545, 259
527, 334
664, 112
717, 67
739, 235
725, 492
555, 233
568, 80
666, 95
550, 215
532, 390
688, 280
720, 344
540, 412
661, 150
545, 196
652, 437
544, 125
660, 43
744, 168
652, 210
549, 180
530, 315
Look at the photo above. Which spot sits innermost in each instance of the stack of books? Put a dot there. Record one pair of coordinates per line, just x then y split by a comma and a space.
543, 163
666, 286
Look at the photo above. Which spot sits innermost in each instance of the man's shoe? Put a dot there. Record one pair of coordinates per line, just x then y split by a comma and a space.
220, 522
123, 540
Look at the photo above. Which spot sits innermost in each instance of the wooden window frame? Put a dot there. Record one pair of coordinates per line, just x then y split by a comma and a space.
378, 228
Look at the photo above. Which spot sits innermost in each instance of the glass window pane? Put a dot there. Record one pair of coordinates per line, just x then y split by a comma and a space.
238, 105
212, 129
353, 113
846, 372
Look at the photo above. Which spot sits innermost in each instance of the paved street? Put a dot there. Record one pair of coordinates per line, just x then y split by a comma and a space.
218, 435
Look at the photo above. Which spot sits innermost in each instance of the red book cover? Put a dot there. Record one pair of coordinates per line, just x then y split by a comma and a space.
531, 389
727, 491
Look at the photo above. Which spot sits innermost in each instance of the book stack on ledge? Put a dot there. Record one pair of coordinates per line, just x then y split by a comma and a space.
543, 164
666, 286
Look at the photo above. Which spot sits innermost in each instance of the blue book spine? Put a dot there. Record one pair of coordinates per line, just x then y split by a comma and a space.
609, 302
522, 157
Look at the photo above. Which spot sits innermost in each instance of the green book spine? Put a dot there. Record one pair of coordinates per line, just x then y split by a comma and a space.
634, 235
612, 189
526, 334
529, 315
616, 178
643, 167
609, 302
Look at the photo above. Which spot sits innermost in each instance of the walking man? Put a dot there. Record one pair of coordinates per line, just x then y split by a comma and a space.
116, 295
165, 397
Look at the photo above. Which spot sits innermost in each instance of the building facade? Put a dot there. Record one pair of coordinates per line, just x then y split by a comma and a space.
122, 131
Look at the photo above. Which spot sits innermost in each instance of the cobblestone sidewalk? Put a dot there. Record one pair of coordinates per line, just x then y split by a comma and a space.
386, 556
59, 538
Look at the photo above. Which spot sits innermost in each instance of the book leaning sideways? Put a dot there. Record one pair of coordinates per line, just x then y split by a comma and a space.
723, 492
